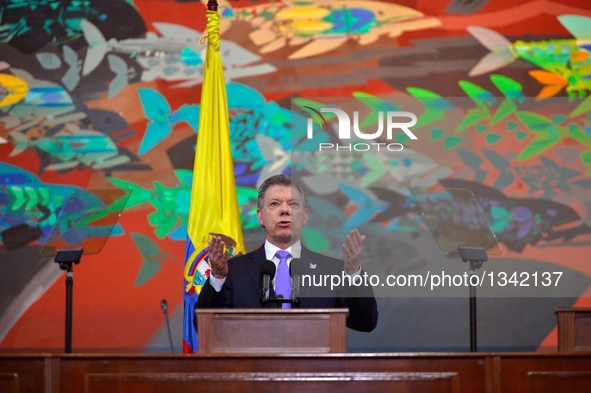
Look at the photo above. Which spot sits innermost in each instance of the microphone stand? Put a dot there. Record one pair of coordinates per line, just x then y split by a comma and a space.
476, 256
164, 307
65, 258
267, 301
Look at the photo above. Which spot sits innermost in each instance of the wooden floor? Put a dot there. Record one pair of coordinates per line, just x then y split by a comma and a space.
341, 373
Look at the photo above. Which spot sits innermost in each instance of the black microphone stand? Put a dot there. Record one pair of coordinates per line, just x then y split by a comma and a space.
267, 301
164, 307
65, 258
476, 256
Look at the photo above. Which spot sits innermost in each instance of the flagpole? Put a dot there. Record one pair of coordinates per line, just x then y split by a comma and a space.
217, 211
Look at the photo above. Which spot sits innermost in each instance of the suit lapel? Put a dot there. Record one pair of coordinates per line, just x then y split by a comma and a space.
310, 261
257, 257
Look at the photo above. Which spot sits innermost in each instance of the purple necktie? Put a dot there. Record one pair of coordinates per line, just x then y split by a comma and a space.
282, 279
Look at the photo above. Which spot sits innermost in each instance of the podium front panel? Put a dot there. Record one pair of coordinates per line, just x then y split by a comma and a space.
270, 331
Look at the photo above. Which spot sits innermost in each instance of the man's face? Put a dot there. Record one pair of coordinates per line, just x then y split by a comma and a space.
283, 215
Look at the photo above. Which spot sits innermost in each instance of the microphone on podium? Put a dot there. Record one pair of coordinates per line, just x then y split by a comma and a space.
266, 273
296, 269
164, 307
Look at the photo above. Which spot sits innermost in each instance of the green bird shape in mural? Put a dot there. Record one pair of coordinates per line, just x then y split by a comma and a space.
564, 63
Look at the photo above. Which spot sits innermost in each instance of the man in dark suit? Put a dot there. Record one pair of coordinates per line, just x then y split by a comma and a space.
282, 212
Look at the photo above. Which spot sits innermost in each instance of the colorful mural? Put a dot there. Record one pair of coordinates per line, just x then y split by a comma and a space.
106, 95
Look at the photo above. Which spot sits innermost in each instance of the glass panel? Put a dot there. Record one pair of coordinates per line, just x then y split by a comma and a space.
86, 221
456, 219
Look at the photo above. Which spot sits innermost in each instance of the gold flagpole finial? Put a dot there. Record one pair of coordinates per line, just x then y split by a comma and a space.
212, 5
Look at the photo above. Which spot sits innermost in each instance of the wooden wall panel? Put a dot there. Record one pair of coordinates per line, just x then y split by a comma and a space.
442, 373
273, 382
9, 383
539, 373
383, 372
26, 373
558, 381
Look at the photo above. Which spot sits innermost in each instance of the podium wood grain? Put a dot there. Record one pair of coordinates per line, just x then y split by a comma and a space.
271, 331
296, 373
574, 329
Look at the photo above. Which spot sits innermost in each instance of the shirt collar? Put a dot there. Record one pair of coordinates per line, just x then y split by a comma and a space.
295, 250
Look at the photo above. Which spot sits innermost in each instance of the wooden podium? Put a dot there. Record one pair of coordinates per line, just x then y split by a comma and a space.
271, 331
574, 329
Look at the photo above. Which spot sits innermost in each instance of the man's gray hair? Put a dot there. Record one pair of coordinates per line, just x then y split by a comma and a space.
280, 180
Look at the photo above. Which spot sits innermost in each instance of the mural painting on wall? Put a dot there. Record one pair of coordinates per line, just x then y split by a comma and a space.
106, 94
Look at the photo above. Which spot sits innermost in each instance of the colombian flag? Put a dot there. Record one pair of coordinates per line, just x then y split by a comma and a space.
214, 204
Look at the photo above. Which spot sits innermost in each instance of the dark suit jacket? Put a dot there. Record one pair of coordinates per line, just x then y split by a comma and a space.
242, 289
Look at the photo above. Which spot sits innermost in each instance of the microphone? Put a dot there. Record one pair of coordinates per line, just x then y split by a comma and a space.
164, 307
266, 273
296, 269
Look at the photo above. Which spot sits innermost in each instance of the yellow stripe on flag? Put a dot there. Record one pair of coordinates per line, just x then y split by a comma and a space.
214, 203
